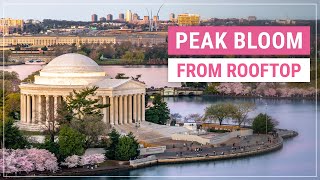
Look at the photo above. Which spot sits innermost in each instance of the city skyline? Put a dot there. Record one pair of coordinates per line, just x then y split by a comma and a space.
206, 9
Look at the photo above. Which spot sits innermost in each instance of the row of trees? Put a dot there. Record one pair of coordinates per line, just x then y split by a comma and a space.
261, 89
222, 111
159, 113
125, 51
239, 114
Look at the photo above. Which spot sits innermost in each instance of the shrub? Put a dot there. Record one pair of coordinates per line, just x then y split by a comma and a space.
71, 142
127, 148
12, 136
261, 121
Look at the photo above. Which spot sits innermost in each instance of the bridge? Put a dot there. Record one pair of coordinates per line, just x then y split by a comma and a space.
175, 91
26, 57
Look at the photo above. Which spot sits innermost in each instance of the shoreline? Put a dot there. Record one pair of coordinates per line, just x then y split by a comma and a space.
254, 97
258, 97
124, 167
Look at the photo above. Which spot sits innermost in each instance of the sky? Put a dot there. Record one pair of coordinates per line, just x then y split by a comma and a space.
83, 9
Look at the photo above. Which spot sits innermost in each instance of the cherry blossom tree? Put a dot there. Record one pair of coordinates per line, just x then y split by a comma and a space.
72, 161
27, 160
92, 159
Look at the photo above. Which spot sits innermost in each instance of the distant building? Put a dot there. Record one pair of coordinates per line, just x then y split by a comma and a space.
155, 18
32, 21
172, 17
252, 18
121, 16
188, 19
103, 19
109, 17
9, 26
146, 19
69, 40
285, 21
94, 18
135, 17
128, 16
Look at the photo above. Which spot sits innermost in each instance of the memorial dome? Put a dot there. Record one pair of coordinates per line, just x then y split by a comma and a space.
70, 69
72, 63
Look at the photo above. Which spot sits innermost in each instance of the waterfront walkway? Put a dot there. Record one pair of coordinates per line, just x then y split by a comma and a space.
234, 145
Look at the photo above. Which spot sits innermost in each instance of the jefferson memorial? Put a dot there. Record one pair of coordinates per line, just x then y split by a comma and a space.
41, 99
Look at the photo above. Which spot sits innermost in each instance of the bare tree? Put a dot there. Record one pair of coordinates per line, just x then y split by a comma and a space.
239, 112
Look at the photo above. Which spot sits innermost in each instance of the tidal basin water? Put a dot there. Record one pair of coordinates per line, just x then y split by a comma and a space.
296, 158
156, 76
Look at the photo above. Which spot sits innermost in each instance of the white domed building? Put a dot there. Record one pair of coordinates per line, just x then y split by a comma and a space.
68, 72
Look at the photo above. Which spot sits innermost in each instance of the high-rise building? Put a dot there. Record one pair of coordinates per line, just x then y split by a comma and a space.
94, 18
109, 17
146, 19
103, 19
252, 18
135, 17
188, 19
9, 26
128, 16
121, 16
172, 17
155, 18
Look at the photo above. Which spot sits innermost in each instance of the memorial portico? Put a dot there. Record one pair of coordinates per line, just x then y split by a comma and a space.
40, 100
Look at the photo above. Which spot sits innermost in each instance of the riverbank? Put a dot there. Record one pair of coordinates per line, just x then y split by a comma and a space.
112, 166
262, 97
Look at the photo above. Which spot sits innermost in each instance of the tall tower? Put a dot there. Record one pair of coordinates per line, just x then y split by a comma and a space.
121, 17
128, 16
94, 18
172, 17
109, 17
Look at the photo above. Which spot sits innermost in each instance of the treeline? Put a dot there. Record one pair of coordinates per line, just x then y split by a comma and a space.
127, 52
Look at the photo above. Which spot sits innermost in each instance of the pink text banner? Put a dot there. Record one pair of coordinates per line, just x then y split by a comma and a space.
239, 40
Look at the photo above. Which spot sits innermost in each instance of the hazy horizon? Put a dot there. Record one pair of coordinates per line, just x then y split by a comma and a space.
81, 10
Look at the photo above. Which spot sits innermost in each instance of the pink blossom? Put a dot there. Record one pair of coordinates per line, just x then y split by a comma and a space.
92, 159
27, 160
71, 161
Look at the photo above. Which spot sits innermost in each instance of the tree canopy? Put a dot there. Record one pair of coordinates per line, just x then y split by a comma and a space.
121, 147
220, 112
83, 113
13, 138
127, 148
82, 104
71, 141
239, 112
263, 123
159, 113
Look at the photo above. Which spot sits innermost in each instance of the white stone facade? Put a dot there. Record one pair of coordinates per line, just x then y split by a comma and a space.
41, 99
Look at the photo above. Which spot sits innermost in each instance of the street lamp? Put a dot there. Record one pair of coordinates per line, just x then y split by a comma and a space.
266, 105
